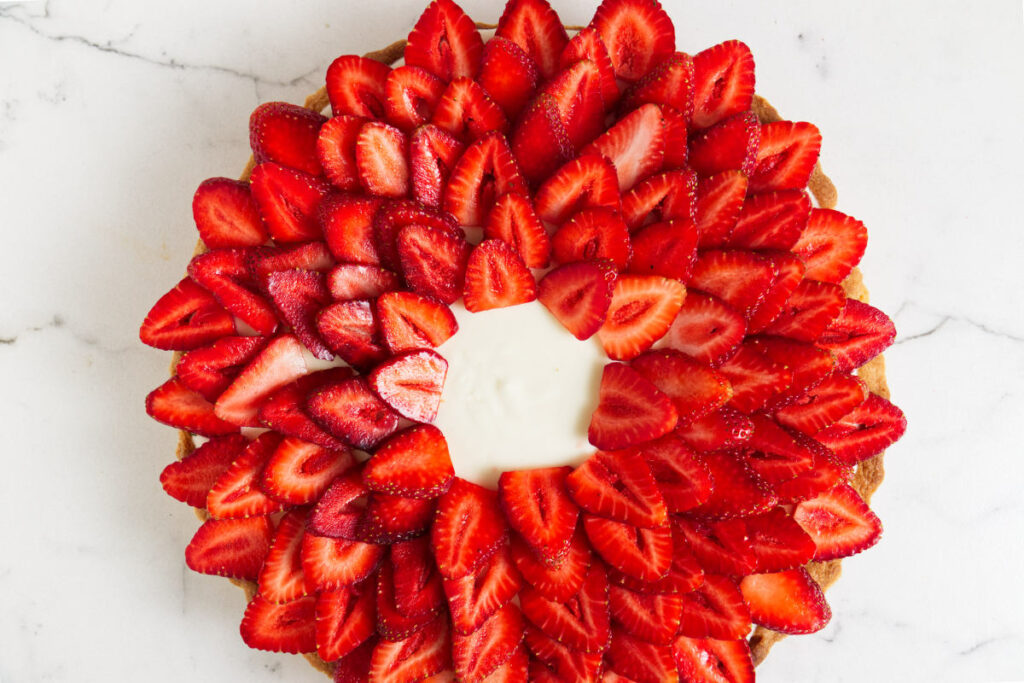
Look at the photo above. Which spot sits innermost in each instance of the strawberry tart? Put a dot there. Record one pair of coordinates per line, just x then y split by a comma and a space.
525, 353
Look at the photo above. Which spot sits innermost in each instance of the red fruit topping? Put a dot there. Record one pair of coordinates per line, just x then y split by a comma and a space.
352, 412
298, 472
681, 476
356, 86
694, 388
723, 82
718, 547
630, 410
496, 277
839, 522
226, 214
176, 405
392, 624
719, 200
394, 215
715, 610
382, 160
417, 584
650, 617
859, 333
706, 329
225, 274
776, 455
558, 582
809, 311
598, 233
789, 273
731, 144
638, 33
536, 28
713, 661
279, 363
345, 619
432, 155
537, 505
347, 222
184, 318
555, 662
237, 492
676, 150
484, 172
413, 463
738, 491
508, 75
540, 141
642, 310
350, 330
333, 563
865, 431
467, 112
831, 245
635, 145
739, 278
661, 197
754, 378
684, 574
411, 383
282, 578
349, 281
771, 220
235, 548
579, 295
478, 654
583, 183
644, 554
445, 42
286, 134
576, 90
808, 363
209, 370
786, 156
265, 261
289, 627
587, 44
473, 598
353, 667
298, 296
415, 657
191, 478
618, 485
823, 404
433, 261
336, 151
724, 428
410, 321
513, 220
468, 529
288, 201
640, 661
670, 83
788, 602
667, 249
777, 542
582, 622
389, 519
412, 95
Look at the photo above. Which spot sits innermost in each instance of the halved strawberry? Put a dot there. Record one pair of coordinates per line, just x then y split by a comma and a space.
715, 610
389, 519
706, 329
598, 233
352, 411
537, 30
638, 660
661, 197
831, 245
478, 654
235, 548
582, 622
340, 509
348, 281
237, 492
644, 554
719, 200
432, 155
433, 261
630, 410
859, 333
667, 249
788, 602
771, 220
468, 112
823, 404
785, 157
724, 428
576, 90
694, 388
513, 220
226, 214
650, 617
738, 490
288, 627
345, 619
468, 528
299, 472
413, 463
638, 33
755, 378
410, 321
347, 223
508, 74
865, 431
539, 140
721, 547
417, 584
445, 42
286, 134
332, 563
496, 277
336, 151
809, 311
789, 273
579, 295
298, 296
558, 582
414, 658
585, 182
473, 598
723, 82
190, 479
777, 542
731, 144
288, 201
618, 485
713, 661
209, 370
839, 522
411, 96
392, 623
185, 318
739, 278
225, 274
281, 578
411, 383
279, 363
669, 83
350, 329
681, 476
174, 404
554, 662
484, 172
356, 86
642, 310
635, 145
382, 159
537, 505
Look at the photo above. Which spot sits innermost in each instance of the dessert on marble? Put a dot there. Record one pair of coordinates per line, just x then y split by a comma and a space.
646, 199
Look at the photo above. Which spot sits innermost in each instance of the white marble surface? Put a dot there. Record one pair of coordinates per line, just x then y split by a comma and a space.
112, 112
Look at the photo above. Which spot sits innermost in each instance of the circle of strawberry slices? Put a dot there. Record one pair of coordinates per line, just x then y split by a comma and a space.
633, 192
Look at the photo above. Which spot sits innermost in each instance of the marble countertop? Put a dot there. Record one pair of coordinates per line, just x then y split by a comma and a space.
112, 112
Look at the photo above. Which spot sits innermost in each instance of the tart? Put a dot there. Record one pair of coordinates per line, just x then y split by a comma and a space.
641, 197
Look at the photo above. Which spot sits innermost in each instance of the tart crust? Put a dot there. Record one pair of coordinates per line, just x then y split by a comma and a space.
867, 476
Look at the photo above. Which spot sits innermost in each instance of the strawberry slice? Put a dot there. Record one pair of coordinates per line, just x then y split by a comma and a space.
191, 478
598, 233
554, 662
284, 410
392, 624
738, 490
630, 410
345, 619
417, 585
825, 474
174, 404
288, 201
235, 548
731, 144
576, 90
786, 156
661, 197
478, 654
496, 277
587, 44
473, 598
381, 160
650, 617
537, 30
513, 220
281, 578
586, 182
279, 363
724, 428
445, 42
333, 563
310, 256
336, 151
515, 669
237, 492
411, 96
644, 554
787, 602
739, 278
579, 295
340, 509
669, 83
414, 658
618, 485
537, 505
865, 431
638, 34
684, 574
719, 547
720, 198
809, 311
839, 522
226, 214
638, 660
389, 519
432, 155
299, 472
694, 388
286, 134
395, 214
484, 172
353, 667
185, 318
540, 141
808, 363
723, 78
831, 245
356, 86
433, 261
713, 661
209, 370
225, 274
635, 145
706, 329
823, 404
413, 463
777, 455
298, 296
347, 222
350, 329
410, 321
715, 610
642, 310
348, 281
667, 249
754, 378
772, 220
789, 273
859, 333
411, 383
289, 627
677, 152
778, 543
681, 476
582, 622
508, 75
467, 112
351, 411
468, 529
559, 582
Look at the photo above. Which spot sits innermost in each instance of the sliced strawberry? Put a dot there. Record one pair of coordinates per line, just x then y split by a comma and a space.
731, 144
225, 274
390, 519
859, 333
778, 543
638, 33
823, 404
298, 296
286, 134
537, 505
348, 281
772, 220
433, 261
644, 554
281, 578
473, 598
418, 587
191, 478
808, 363
683, 576
235, 548
739, 278
786, 156
279, 363
284, 410
226, 214
237, 492
630, 410
513, 220
723, 82
413, 463
468, 112
340, 509
411, 383
516, 669
724, 428
642, 310
496, 277
598, 233
508, 75
694, 388
638, 660
209, 370
582, 622
484, 172
345, 619
539, 140
174, 404
392, 624
661, 197
185, 318
445, 42
332, 563
537, 30
586, 182
669, 83
788, 602
635, 145
288, 201
298, 472
555, 662
715, 610
713, 661
706, 329
755, 378
395, 214
738, 491
789, 273
777, 455
356, 86
831, 245
839, 522
618, 485
410, 321
353, 667
265, 261
558, 582
650, 617
382, 160
681, 476
719, 201
414, 658
864, 432
350, 330
336, 151
289, 627
579, 295
478, 654
352, 411
719, 547
677, 153
411, 96
576, 90
809, 311
667, 249
468, 528
825, 474
432, 155
347, 222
